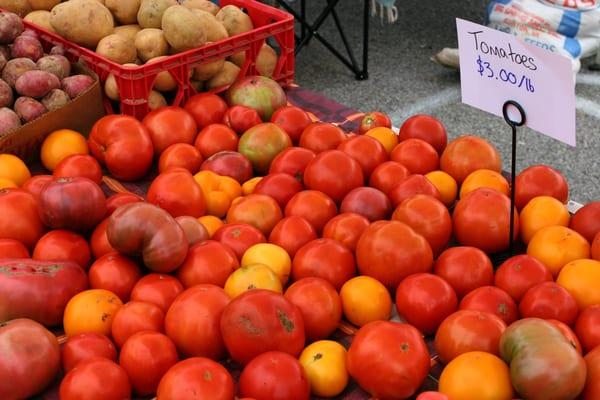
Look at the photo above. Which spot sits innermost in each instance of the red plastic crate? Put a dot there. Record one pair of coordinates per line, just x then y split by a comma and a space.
135, 83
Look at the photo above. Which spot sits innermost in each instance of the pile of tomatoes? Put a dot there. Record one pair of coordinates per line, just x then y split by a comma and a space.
257, 241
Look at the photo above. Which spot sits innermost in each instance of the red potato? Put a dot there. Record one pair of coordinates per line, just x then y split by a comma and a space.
29, 109
9, 120
15, 68
28, 47
55, 99
55, 64
5, 51
36, 84
11, 27
31, 33
3, 60
6, 94
76, 84
57, 50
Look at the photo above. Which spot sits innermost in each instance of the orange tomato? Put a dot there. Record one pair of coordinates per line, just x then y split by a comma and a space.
476, 375
581, 278
13, 169
555, 246
249, 186
596, 247
271, 255
385, 136
324, 364
7, 183
468, 153
484, 178
92, 310
255, 276
541, 212
211, 223
218, 190
365, 299
59, 145
445, 184
259, 210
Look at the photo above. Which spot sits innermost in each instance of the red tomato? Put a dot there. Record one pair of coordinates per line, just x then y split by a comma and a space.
261, 320
123, 144
425, 300
239, 237
11, 248
177, 192
368, 151
432, 396
417, 155
592, 384
324, 174
568, 333
208, 262
36, 183
215, 138
588, 327
596, 247
99, 240
180, 155
136, 316
549, 300
280, 186
118, 199
193, 229
146, 357
321, 136
465, 269
206, 108
324, 258
293, 120
291, 233
389, 251
493, 300
374, 119
258, 210
24, 223
586, 221
346, 229
241, 118
466, 154
169, 125
412, 186
371, 203
429, 217
519, 273
468, 330
540, 180
427, 128
229, 163
116, 273
406, 359
84, 346
388, 175
316, 207
61, 245
292, 161
76, 165
96, 379
274, 375
158, 289
320, 305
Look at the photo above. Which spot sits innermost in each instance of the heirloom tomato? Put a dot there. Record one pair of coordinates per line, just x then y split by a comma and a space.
169, 125
218, 191
316, 207
24, 223
291, 233
367, 151
92, 310
99, 240
177, 192
61, 144
364, 300
427, 128
262, 143
568, 334
62, 245
215, 138
466, 154
206, 108
385, 136
547, 300
493, 300
445, 184
229, 163
321, 136
540, 180
180, 155
271, 255
79, 165
36, 183
323, 174
541, 212
159, 289
556, 246
14, 169
293, 120
484, 178
96, 379
371, 203
84, 346
520, 273
118, 199
207, 262
418, 156
115, 272
581, 278
250, 277
193, 229
239, 237
258, 210
346, 228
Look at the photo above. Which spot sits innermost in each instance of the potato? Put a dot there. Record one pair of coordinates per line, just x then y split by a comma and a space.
214, 29
9, 120
3, 61
164, 81
46, 5
234, 20
15, 68
204, 5
29, 109
128, 32
117, 49
204, 72
84, 22
76, 84
238, 58
55, 64
125, 12
40, 18
6, 94
111, 89
27, 47
5, 51
57, 50
11, 26
197, 85
20, 7
156, 100
55, 99
36, 84
151, 43
183, 30
266, 61
224, 77
151, 12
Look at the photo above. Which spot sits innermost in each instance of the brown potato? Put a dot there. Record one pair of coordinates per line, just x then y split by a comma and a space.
9, 120
55, 99
45, 5
36, 83
117, 49
224, 77
125, 12
156, 100
20, 7
214, 29
238, 58
84, 22
205, 5
128, 32
29, 109
151, 43
266, 61
234, 20
164, 80
204, 72
182, 28
111, 89
40, 18
197, 85
151, 12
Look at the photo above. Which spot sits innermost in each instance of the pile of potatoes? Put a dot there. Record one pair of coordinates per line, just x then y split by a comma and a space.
144, 31
31, 82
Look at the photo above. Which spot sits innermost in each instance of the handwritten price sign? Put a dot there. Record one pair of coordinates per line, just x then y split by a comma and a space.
496, 67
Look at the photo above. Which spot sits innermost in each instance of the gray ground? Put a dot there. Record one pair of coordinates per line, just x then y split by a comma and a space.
403, 81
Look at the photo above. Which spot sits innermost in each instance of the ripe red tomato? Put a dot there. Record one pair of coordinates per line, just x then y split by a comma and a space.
586, 221
368, 151
208, 262
519, 273
134, 317
203, 377
158, 289
314, 206
146, 357
274, 375
387, 175
258, 210
371, 203
466, 154
79, 165
180, 155
568, 334
540, 180
292, 161
36, 183
11, 248
321, 136
239, 237
99, 240
493, 300
118, 199
61, 245
425, 300
432, 396
427, 128
177, 192
229, 163
587, 327
84, 346
465, 269
320, 305
116, 273
324, 174
324, 258
346, 228
417, 155
406, 359
389, 251
215, 138
374, 119
206, 108
549, 300
412, 186
592, 384
291, 233
596, 247
24, 223
293, 120
96, 379
280, 186
241, 118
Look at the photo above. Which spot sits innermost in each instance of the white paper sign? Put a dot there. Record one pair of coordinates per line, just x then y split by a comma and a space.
496, 67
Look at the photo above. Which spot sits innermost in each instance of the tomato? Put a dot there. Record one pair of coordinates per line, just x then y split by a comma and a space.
520, 273
215, 138
367, 151
61, 245
203, 377
587, 327
466, 154
476, 375
159, 289
274, 375
146, 357
387, 175
429, 218
293, 120
468, 330
484, 178
36, 183
292, 161
206, 108
482, 219
368, 202
432, 396
445, 184
493, 300
541, 212
406, 359
556, 246
324, 258
11, 248
241, 118
116, 273
592, 384
84, 346
258, 210
99, 240
586, 221
465, 269
540, 180
374, 119
427, 128
412, 186
324, 364
208, 262
60, 144
180, 155
211, 224
251, 277
118, 199
123, 144
320, 305
417, 155
193, 229
596, 247
239, 237
568, 334
229, 163
314, 206
364, 300
321, 136
261, 144
389, 251
581, 278
177, 192
96, 379
259, 321
24, 224
169, 125
82, 165
270, 255
346, 228
291, 233
280, 186
136, 316
323, 174
14, 169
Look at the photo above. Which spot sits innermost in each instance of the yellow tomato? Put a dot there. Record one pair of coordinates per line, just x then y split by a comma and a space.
249, 186
271, 255
13, 169
385, 136
59, 145
256, 276
91, 311
365, 299
541, 212
445, 184
7, 183
476, 376
211, 223
581, 278
484, 178
218, 191
555, 246
324, 364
